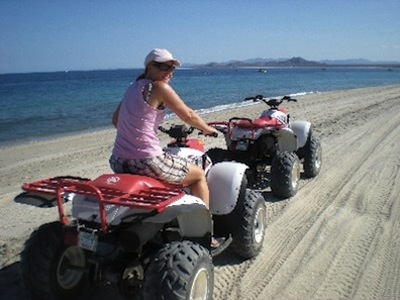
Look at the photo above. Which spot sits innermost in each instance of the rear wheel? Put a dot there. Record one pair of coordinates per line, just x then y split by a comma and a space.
285, 174
49, 268
249, 238
180, 270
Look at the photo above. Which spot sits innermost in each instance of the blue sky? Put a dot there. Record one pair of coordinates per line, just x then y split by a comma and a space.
39, 35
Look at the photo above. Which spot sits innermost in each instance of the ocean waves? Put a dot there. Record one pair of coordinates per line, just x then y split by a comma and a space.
37, 105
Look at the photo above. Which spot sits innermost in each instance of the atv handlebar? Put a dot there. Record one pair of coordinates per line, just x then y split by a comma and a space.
220, 126
181, 132
214, 134
177, 131
271, 102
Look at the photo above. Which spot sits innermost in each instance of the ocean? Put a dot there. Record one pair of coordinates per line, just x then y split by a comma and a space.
35, 106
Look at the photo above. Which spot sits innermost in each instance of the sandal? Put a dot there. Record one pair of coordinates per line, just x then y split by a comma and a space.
216, 242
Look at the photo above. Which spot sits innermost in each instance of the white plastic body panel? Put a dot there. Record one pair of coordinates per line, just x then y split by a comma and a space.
301, 130
86, 208
276, 114
224, 181
287, 140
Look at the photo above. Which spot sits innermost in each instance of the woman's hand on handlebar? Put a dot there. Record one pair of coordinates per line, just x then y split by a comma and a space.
219, 126
211, 131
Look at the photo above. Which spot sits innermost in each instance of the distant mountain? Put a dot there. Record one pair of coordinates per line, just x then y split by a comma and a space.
259, 59
261, 62
292, 62
357, 61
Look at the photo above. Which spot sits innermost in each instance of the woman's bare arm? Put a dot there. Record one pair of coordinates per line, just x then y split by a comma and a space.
164, 94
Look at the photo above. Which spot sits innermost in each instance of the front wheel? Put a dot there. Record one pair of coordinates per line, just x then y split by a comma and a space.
285, 174
312, 157
49, 268
249, 238
180, 270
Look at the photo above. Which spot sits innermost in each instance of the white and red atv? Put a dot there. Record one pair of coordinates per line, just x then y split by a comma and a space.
272, 146
149, 238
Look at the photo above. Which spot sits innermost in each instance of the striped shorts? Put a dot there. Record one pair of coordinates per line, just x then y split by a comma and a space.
166, 167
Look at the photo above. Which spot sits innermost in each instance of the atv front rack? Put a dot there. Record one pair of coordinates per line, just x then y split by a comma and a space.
150, 198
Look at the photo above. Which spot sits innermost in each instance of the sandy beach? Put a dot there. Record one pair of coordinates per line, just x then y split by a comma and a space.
337, 238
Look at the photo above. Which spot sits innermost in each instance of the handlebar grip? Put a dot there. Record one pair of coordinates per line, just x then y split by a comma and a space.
190, 130
254, 98
214, 134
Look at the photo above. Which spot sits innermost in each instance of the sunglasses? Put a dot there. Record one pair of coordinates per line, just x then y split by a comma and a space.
163, 66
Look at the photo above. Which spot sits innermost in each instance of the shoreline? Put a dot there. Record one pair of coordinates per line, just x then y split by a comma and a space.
338, 235
104, 136
55, 136
201, 111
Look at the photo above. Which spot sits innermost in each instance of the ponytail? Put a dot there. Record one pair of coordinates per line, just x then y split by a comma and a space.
141, 76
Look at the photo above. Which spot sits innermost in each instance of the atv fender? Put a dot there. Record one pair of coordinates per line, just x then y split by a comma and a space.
224, 181
37, 199
287, 140
193, 216
301, 129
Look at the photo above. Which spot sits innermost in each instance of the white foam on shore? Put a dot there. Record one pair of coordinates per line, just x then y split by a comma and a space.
239, 104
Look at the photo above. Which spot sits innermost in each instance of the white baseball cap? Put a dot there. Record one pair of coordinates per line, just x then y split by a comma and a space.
161, 56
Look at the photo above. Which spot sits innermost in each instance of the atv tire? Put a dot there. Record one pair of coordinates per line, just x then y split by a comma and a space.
312, 157
217, 155
285, 174
249, 238
44, 265
180, 270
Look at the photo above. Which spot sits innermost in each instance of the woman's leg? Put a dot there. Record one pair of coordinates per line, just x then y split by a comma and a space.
196, 179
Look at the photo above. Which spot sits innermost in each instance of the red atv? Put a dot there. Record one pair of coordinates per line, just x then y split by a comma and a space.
272, 146
149, 238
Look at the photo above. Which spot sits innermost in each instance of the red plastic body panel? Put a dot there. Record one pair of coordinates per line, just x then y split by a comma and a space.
127, 183
195, 144
262, 122
283, 109
253, 125
118, 189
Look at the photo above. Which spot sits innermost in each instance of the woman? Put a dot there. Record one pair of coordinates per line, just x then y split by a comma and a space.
137, 148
